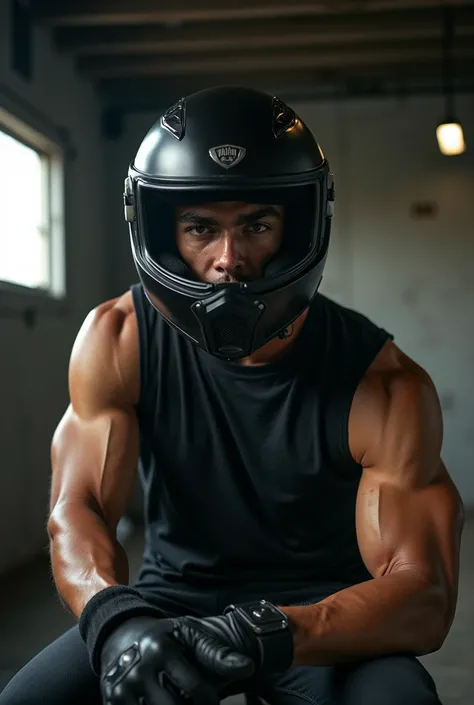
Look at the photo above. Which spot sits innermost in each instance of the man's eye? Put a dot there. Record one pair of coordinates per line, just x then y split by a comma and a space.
258, 228
197, 230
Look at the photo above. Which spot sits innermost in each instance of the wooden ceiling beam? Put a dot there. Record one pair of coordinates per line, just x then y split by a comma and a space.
84, 13
246, 63
243, 36
159, 93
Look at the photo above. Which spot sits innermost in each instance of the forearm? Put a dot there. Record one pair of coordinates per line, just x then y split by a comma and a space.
85, 558
395, 613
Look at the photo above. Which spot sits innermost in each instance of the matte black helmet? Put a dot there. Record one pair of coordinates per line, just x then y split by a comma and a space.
230, 144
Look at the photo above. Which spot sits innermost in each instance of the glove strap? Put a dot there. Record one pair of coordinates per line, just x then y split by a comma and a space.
105, 612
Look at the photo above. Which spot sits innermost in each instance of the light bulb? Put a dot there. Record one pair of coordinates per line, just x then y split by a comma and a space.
450, 138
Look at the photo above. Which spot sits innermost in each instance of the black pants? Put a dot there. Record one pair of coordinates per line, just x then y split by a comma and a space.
61, 674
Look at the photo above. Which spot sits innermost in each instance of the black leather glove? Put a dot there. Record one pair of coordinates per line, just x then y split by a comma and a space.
229, 649
142, 664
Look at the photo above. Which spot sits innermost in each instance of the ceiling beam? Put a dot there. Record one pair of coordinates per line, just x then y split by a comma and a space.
247, 63
276, 33
83, 13
130, 95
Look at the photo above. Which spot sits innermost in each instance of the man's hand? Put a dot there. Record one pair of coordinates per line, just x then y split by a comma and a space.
142, 660
228, 650
220, 646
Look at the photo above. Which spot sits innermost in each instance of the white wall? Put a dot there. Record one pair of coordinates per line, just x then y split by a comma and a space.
33, 362
415, 277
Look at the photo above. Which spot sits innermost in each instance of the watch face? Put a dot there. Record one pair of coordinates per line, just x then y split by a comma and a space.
264, 616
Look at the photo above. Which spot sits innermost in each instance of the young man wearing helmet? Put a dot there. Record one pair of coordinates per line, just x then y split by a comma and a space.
302, 532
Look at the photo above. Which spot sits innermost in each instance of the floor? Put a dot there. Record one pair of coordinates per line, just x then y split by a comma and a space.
31, 617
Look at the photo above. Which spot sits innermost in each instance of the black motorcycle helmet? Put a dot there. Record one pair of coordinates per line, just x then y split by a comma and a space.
230, 144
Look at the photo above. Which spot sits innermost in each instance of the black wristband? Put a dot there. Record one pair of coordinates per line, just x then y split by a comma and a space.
271, 629
105, 612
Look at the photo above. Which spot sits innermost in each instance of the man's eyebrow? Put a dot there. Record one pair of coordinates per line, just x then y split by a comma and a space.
257, 214
192, 218
196, 219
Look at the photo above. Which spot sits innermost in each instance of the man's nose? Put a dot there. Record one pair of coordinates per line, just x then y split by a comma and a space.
228, 258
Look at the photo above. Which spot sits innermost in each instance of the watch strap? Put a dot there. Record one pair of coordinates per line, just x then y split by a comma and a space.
277, 651
275, 646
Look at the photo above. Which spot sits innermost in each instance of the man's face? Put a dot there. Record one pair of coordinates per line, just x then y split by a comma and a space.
229, 241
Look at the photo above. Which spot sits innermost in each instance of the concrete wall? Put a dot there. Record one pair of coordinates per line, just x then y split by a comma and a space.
33, 361
414, 276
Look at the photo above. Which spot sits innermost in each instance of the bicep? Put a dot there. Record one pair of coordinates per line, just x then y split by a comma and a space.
96, 445
94, 461
409, 513
410, 528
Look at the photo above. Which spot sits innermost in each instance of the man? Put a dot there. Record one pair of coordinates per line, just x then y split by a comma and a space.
302, 532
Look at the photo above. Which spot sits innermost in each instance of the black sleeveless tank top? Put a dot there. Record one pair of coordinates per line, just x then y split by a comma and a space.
246, 471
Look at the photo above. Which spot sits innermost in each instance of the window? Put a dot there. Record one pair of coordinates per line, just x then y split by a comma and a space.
31, 221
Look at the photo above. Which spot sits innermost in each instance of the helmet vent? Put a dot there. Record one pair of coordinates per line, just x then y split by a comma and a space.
283, 117
228, 333
174, 119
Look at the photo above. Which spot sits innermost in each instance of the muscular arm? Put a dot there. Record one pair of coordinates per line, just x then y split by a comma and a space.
409, 520
94, 457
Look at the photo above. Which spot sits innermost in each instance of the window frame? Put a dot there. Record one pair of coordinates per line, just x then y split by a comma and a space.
18, 298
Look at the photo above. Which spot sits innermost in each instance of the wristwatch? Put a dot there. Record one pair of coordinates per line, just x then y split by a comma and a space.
271, 628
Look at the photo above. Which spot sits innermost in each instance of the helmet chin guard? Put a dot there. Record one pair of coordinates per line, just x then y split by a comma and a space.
228, 322
230, 144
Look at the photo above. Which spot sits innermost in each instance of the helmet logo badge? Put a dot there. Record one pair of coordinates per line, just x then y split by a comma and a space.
227, 155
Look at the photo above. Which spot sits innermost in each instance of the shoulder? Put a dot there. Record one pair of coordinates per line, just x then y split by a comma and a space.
395, 411
341, 310
110, 314
341, 320
106, 349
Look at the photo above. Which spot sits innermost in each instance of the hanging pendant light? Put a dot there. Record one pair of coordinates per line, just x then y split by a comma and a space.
449, 133
450, 138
